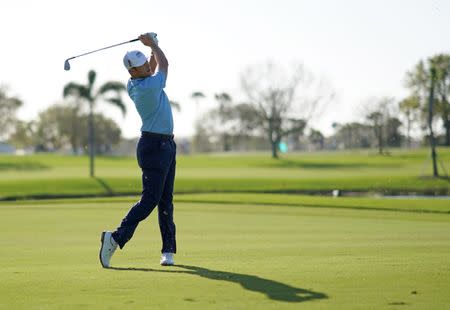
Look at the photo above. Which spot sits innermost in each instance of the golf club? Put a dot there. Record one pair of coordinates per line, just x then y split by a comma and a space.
67, 64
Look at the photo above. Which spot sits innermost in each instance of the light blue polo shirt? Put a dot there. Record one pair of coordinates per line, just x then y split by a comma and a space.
152, 103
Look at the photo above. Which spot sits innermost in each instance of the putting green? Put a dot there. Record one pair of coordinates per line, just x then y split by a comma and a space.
231, 256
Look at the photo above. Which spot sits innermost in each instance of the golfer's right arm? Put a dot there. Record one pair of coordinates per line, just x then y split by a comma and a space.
161, 60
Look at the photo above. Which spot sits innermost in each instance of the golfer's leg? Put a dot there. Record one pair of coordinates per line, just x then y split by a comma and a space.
165, 214
152, 183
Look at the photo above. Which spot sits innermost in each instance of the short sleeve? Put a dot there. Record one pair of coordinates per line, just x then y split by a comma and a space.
157, 81
161, 78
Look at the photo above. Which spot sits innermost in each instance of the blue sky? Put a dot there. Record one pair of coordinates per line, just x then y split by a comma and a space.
362, 48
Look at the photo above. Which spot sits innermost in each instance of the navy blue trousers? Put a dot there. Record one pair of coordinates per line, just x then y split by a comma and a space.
156, 158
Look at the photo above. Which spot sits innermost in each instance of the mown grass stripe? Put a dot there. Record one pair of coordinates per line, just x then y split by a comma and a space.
422, 205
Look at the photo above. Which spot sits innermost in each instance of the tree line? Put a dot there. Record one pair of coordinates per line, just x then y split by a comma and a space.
71, 123
280, 105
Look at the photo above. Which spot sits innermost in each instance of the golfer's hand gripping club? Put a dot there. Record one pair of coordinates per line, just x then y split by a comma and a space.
149, 39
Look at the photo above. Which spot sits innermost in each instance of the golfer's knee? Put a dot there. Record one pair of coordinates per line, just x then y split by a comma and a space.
149, 200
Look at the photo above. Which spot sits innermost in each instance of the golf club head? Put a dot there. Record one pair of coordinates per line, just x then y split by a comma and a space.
67, 65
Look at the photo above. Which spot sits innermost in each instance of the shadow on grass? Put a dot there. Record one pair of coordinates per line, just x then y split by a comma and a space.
105, 185
323, 206
272, 289
445, 178
286, 163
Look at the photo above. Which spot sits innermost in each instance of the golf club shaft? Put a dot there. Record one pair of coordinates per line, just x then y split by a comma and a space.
100, 49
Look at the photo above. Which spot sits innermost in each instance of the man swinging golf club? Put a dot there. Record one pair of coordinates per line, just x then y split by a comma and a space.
156, 151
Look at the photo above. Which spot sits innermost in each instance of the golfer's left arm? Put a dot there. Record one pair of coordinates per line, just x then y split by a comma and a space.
160, 59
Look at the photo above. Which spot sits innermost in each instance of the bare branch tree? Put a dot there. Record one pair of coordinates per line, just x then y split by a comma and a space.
283, 101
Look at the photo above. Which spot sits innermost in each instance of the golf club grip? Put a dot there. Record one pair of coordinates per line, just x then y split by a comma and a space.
137, 39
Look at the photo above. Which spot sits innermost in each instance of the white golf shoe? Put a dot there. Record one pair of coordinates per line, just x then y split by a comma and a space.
167, 259
109, 245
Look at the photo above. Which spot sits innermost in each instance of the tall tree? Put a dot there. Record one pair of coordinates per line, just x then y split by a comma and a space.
23, 136
65, 118
353, 135
430, 79
377, 122
224, 115
8, 109
316, 138
226, 125
58, 127
50, 129
63, 121
441, 64
379, 116
433, 76
109, 92
419, 80
107, 133
283, 103
393, 135
410, 107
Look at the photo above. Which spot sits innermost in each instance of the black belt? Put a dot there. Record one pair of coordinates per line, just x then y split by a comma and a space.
156, 135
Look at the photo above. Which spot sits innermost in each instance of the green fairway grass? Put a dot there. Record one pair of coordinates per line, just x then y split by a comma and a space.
320, 172
419, 205
422, 205
235, 251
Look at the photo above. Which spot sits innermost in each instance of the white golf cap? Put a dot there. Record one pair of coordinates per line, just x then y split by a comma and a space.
134, 59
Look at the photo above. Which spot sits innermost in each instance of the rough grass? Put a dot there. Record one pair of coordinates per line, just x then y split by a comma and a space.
236, 254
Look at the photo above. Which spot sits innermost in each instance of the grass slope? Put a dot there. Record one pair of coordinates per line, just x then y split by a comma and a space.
239, 255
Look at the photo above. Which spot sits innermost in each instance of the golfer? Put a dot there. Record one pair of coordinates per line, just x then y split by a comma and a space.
156, 152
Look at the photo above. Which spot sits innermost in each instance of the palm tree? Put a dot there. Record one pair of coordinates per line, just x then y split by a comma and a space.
91, 96
377, 123
197, 96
